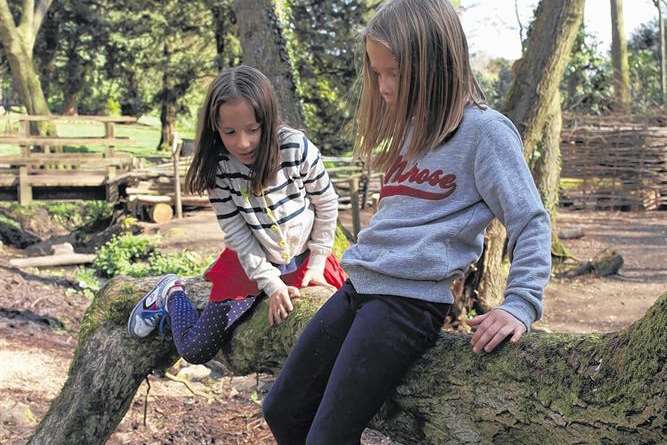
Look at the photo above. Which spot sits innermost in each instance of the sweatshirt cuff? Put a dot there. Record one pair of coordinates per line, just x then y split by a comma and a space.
519, 309
316, 262
271, 285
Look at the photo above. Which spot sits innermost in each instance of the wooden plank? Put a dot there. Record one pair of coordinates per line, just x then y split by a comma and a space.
64, 180
49, 140
77, 118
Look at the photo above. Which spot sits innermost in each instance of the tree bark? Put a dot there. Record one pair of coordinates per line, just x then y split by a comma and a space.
18, 43
264, 47
548, 389
546, 171
619, 56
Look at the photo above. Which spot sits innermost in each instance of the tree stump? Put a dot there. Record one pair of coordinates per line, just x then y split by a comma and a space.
548, 389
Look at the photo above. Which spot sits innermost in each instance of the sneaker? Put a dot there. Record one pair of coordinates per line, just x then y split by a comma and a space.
150, 311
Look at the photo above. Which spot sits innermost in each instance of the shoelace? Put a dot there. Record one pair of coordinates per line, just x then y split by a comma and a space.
151, 315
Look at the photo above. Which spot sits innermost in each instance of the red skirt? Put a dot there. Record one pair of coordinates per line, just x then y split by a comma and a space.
230, 281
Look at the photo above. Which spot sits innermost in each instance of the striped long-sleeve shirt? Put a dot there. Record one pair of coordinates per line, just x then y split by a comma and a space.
298, 211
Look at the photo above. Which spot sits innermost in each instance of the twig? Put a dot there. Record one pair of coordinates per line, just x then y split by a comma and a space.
174, 378
148, 389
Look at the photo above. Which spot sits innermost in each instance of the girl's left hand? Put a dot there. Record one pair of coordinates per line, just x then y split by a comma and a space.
312, 278
494, 327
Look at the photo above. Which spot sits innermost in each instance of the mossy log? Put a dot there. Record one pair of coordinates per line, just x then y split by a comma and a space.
548, 389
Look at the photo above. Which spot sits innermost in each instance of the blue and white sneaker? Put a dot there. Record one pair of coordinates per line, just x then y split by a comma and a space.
150, 311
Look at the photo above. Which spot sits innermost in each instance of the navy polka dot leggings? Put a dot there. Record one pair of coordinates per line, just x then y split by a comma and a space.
199, 337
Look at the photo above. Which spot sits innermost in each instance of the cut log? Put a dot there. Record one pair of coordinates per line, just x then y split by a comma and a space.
67, 259
575, 233
606, 263
161, 213
547, 389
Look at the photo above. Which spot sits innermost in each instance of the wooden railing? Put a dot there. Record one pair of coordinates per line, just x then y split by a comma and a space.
26, 140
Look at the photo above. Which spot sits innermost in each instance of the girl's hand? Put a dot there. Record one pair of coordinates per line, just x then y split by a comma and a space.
280, 304
494, 327
312, 278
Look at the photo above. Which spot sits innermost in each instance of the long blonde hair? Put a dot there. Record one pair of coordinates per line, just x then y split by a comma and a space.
249, 83
435, 81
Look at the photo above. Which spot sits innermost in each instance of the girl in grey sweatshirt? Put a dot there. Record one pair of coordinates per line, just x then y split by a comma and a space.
451, 165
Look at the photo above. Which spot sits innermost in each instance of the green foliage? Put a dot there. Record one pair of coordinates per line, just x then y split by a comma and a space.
88, 281
120, 253
137, 256
587, 84
77, 214
322, 41
495, 81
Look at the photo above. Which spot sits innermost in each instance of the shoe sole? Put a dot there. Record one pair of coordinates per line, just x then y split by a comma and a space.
140, 304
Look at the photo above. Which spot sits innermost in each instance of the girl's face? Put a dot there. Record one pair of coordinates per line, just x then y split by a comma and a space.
385, 66
239, 130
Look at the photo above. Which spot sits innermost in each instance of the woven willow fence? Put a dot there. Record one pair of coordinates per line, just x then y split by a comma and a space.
614, 163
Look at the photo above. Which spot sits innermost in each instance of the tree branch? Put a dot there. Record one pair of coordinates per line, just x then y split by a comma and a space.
40, 13
27, 15
7, 25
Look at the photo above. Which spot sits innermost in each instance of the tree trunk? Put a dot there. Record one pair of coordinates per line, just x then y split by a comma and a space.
264, 47
663, 53
546, 171
548, 389
168, 120
167, 104
530, 105
18, 43
619, 56
27, 81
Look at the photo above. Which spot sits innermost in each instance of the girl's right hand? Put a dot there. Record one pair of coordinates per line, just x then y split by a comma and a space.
280, 304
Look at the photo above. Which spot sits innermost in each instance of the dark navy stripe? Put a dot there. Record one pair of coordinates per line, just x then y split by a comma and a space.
280, 221
287, 198
305, 149
228, 215
321, 191
289, 164
273, 206
233, 176
316, 177
303, 175
279, 187
214, 200
227, 189
290, 145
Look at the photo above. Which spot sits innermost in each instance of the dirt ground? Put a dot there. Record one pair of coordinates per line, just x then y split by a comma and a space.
40, 315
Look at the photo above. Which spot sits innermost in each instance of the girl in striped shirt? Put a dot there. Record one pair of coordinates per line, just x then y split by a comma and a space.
276, 205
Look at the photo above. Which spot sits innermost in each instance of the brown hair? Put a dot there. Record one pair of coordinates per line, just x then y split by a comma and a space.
434, 83
250, 84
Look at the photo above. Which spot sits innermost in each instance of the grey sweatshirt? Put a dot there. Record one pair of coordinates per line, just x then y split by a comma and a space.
433, 212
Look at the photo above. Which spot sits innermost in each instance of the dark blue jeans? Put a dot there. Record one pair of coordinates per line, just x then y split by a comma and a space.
348, 361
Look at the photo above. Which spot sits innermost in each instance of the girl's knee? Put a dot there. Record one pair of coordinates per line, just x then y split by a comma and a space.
196, 357
275, 409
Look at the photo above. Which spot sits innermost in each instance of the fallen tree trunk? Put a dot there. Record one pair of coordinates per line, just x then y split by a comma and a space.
548, 389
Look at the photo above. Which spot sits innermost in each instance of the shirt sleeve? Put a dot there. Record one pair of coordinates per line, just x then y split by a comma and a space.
239, 237
507, 187
322, 195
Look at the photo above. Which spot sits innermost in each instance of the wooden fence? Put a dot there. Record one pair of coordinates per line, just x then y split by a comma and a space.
614, 163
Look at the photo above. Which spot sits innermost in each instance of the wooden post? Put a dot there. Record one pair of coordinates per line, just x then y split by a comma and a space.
354, 201
109, 133
111, 185
25, 129
24, 188
175, 152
